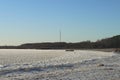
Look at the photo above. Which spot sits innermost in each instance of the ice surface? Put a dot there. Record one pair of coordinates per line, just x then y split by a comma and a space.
16, 62
17, 58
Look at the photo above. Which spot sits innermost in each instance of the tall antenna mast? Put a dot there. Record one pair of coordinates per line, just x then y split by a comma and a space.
60, 34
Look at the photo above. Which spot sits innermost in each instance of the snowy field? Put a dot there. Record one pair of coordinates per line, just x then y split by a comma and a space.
16, 56
16, 62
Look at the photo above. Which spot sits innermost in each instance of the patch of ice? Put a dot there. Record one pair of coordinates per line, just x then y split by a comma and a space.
1, 66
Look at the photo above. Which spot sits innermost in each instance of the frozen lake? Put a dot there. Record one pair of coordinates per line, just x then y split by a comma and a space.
21, 64
22, 56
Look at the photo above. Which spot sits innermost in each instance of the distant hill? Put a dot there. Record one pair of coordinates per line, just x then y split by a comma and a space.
113, 42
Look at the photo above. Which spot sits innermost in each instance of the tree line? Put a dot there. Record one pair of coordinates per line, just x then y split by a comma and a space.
113, 42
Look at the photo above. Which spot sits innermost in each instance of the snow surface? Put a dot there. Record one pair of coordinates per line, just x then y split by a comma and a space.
20, 61
46, 57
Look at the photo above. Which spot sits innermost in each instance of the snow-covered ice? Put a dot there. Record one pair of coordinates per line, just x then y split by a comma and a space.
21, 56
21, 63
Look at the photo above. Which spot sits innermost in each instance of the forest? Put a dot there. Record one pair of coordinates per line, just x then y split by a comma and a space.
112, 42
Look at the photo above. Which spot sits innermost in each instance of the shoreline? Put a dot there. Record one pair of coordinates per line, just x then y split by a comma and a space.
105, 50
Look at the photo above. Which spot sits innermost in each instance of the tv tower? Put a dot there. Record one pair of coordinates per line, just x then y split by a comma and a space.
60, 34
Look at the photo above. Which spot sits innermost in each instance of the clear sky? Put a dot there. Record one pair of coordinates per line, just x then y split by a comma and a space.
26, 21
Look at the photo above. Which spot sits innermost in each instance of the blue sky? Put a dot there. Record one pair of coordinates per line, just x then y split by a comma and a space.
26, 21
